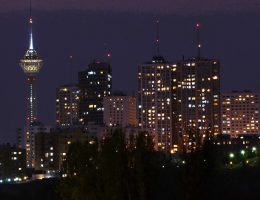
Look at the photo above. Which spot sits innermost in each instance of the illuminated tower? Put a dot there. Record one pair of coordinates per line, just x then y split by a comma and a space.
31, 64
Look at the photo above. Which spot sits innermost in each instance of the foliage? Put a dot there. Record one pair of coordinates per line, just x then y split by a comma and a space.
115, 169
202, 165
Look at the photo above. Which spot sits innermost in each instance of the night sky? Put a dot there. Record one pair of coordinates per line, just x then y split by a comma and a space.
230, 32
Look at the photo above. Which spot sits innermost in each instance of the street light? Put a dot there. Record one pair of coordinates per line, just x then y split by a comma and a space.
253, 149
231, 155
243, 152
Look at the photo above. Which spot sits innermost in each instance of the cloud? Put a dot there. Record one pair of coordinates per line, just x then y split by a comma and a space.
150, 6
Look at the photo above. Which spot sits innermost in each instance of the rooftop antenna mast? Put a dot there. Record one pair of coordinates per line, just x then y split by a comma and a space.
158, 37
107, 52
198, 41
71, 69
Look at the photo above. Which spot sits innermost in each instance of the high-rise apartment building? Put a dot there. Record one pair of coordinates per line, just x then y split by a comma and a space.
120, 110
179, 102
67, 101
155, 100
240, 113
197, 99
175, 99
94, 83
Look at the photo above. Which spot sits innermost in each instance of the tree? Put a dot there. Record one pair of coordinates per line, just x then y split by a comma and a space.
81, 167
111, 170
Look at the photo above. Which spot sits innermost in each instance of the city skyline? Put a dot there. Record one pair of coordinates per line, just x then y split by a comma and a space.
122, 100
57, 58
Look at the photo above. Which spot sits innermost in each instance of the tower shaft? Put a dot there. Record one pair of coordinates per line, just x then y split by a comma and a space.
31, 102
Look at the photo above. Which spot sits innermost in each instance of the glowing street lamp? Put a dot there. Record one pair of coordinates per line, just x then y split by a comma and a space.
231, 155
243, 152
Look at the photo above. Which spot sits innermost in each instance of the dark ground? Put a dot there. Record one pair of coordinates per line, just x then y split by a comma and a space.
232, 184
37, 190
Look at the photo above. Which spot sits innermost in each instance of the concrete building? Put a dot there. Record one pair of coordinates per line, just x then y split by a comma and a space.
67, 102
175, 99
120, 110
179, 102
240, 113
155, 100
94, 83
12, 162
51, 148
30, 133
196, 96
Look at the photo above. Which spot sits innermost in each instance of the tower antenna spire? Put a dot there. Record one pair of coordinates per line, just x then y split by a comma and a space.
198, 40
30, 8
71, 70
158, 37
31, 23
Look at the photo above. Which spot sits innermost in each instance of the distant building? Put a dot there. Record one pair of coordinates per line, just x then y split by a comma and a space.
95, 83
232, 142
196, 99
155, 100
19, 138
12, 161
101, 132
51, 148
67, 101
30, 149
240, 113
175, 99
120, 110
95, 130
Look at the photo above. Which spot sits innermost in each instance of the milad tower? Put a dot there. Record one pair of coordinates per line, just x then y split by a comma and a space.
31, 64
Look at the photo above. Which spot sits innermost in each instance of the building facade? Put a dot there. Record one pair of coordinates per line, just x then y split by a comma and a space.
197, 100
12, 161
178, 100
52, 147
155, 100
120, 111
240, 113
31, 132
67, 102
95, 83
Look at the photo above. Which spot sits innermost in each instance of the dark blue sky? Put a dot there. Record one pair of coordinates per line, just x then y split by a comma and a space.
180, 7
231, 34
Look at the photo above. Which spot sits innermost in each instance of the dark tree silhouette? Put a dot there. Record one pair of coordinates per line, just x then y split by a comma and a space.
115, 169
